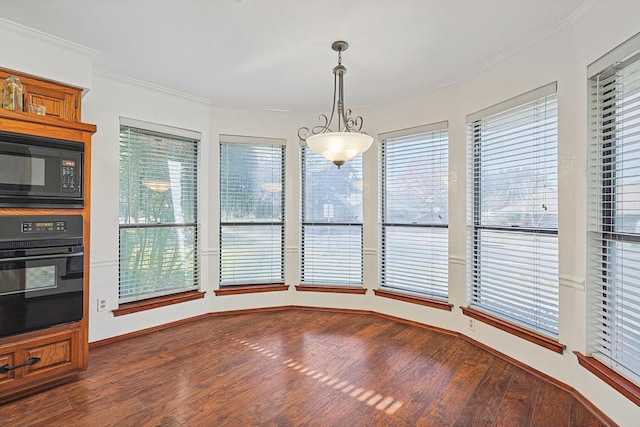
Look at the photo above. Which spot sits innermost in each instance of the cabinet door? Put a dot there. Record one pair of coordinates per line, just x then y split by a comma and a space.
60, 357
61, 103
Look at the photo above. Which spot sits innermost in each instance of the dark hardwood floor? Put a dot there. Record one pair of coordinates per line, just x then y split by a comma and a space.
299, 368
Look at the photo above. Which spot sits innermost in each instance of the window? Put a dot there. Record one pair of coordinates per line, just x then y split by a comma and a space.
614, 220
414, 210
331, 221
513, 210
158, 210
251, 210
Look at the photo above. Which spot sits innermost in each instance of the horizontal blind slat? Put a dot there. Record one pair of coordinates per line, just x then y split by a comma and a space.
614, 219
414, 190
513, 185
331, 214
158, 245
251, 211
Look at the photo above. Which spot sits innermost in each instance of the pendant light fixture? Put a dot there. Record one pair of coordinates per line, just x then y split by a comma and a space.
347, 142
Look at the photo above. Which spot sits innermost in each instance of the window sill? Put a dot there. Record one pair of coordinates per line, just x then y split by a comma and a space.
414, 299
151, 303
609, 376
250, 289
514, 329
332, 289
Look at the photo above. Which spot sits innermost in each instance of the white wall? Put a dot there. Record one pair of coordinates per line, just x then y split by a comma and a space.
111, 98
562, 56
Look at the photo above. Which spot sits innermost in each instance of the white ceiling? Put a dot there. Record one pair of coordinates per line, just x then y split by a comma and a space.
277, 53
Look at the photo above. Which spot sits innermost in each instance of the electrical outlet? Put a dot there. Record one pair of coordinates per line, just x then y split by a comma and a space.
102, 304
471, 325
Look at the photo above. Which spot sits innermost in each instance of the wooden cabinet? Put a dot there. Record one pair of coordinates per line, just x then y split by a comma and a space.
61, 101
39, 359
62, 350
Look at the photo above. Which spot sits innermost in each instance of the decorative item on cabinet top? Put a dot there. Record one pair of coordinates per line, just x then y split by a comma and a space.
43, 97
12, 94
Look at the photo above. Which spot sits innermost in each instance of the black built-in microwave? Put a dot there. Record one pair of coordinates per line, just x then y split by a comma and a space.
40, 172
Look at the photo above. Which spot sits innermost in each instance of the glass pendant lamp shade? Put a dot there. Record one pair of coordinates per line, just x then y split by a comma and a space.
339, 147
159, 186
348, 141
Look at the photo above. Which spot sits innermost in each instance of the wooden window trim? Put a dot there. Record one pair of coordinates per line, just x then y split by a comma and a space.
514, 329
414, 299
250, 289
332, 289
151, 303
609, 376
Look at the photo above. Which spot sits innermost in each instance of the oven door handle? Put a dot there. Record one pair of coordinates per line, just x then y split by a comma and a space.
37, 257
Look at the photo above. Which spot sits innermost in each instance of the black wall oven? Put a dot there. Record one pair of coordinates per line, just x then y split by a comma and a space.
41, 272
40, 172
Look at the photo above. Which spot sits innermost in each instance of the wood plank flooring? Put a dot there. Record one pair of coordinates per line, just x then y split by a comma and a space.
299, 368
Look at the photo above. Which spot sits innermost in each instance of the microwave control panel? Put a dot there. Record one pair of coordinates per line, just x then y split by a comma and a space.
44, 226
68, 175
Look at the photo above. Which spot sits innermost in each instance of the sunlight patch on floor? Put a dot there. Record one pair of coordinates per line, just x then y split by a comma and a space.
370, 397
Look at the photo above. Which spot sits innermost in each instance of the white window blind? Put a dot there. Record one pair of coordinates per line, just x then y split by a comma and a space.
251, 210
414, 242
158, 213
614, 224
331, 221
513, 210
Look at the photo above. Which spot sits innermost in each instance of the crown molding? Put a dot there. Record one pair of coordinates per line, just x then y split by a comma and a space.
584, 10
41, 36
146, 85
98, 72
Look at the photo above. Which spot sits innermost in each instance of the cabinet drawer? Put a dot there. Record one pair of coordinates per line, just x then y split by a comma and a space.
60, 354
52, 355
